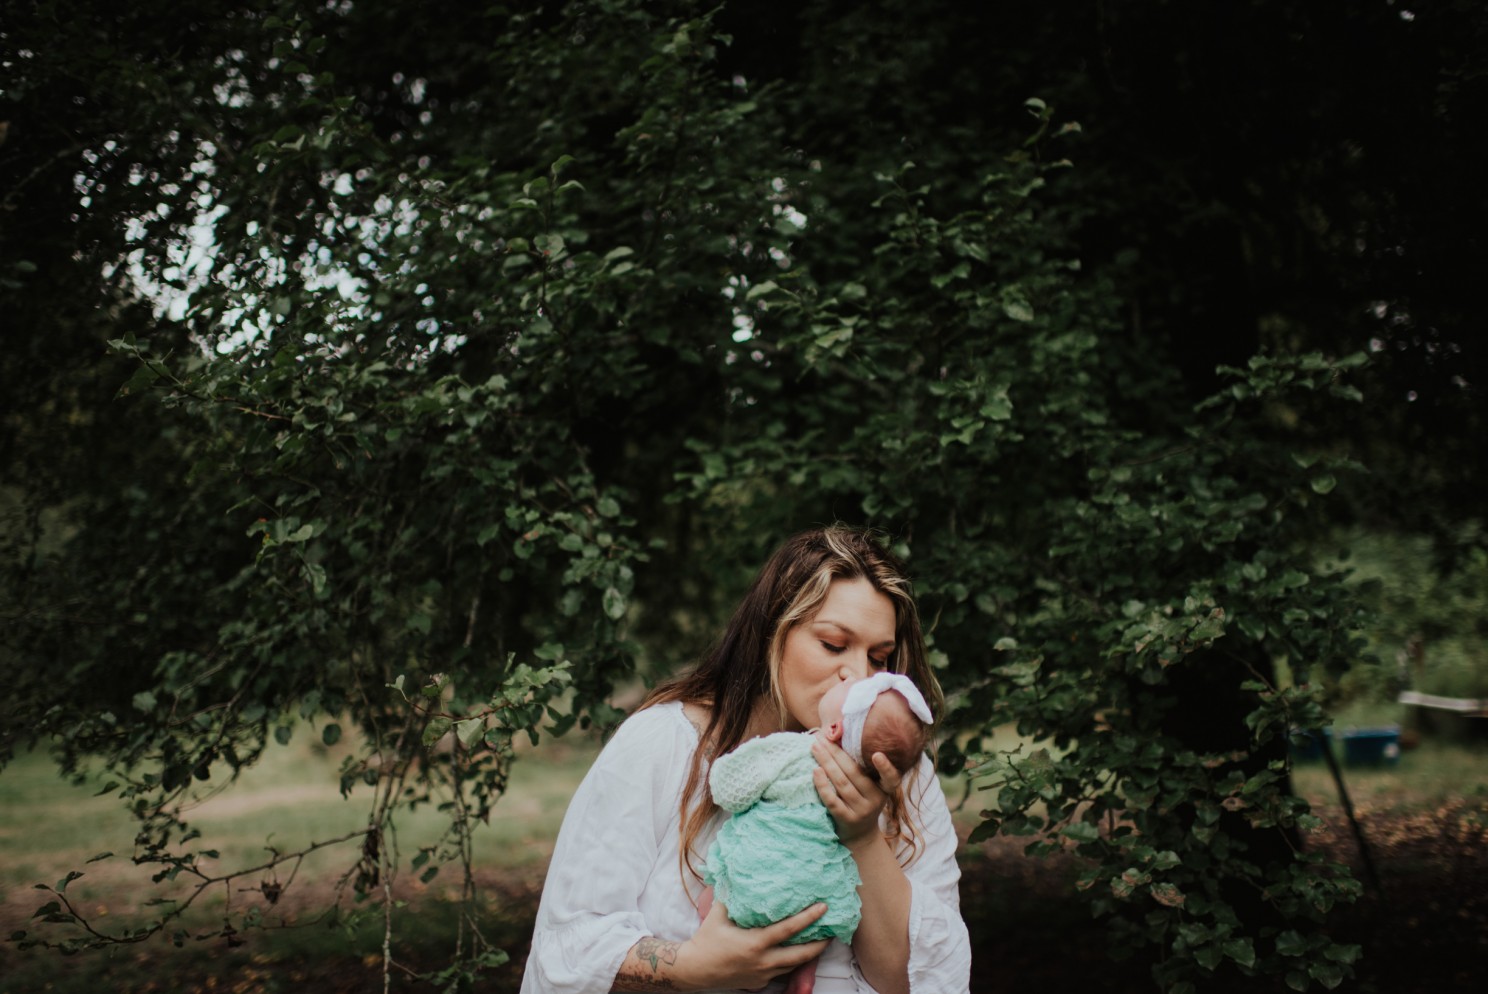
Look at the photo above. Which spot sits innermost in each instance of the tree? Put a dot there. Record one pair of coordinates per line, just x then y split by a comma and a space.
509, 345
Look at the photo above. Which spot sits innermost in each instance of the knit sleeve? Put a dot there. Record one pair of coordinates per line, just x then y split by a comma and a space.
742, 777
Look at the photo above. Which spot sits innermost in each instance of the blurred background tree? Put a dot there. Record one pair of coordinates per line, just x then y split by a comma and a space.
486, 351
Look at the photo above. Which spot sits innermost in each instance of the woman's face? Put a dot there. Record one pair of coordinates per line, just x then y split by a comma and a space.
850, 637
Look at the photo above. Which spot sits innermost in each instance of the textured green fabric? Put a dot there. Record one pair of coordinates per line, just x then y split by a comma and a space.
779, 853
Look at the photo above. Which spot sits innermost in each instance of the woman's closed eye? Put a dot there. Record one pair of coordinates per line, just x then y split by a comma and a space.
877, 662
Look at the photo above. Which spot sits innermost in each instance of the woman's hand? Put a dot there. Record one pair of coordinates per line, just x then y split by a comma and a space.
851, 796
720, 954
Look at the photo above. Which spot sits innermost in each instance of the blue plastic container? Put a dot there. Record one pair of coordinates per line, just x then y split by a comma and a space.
1372, 746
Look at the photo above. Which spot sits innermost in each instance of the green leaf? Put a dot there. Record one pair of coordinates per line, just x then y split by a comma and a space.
1081, 831
1242, 951
331, 734
141, 380
1329, 974
999, 407
1291, 943
614, 603
316, 574
435, 730
1253, 627
469, 731
1016, 306
1324, 484
1170, 896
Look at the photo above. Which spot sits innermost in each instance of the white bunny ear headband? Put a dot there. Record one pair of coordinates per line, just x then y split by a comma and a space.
860, 698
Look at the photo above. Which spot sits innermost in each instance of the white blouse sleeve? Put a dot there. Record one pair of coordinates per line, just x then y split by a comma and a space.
939, 947
612, 833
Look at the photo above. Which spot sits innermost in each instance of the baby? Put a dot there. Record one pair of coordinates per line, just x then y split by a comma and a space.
779, 853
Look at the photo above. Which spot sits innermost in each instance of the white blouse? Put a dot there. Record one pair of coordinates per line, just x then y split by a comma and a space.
615, 878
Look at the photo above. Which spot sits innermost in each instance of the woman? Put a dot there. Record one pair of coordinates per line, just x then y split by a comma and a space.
618, 911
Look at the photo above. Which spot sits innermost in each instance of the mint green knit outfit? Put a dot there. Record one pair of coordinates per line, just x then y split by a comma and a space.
779, 853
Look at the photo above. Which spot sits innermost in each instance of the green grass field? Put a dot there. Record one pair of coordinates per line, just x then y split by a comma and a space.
290, 799
287, 801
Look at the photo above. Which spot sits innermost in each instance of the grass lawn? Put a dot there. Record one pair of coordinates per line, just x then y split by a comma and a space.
287, 801
290, 799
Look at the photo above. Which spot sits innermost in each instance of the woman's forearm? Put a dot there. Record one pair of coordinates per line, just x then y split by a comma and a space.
881, 944
648, 966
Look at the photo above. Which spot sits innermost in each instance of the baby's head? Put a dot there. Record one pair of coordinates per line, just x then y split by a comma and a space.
885, 713
892, 729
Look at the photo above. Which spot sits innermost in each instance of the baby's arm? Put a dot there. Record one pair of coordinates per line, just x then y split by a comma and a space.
741, 778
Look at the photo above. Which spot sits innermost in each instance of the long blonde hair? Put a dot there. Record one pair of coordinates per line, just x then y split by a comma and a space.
744, 664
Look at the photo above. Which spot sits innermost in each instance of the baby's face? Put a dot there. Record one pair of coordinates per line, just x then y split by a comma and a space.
829, 710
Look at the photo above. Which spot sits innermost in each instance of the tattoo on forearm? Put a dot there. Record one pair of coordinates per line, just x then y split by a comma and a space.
656, 951
639, 971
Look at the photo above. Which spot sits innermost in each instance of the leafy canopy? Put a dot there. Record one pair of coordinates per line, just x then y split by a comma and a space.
457, 375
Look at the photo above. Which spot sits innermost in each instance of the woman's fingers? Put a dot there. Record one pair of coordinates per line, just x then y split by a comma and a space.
840, 800
790, 957
849, 781
850, 795
888, 777
784, 929
838, 766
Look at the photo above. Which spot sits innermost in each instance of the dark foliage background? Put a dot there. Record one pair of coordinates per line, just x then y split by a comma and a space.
484, 351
